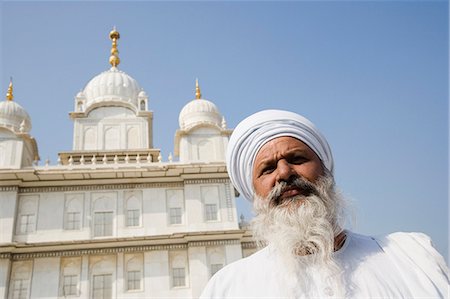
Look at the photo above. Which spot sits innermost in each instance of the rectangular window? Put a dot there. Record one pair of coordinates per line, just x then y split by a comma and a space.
175, 215
73, 220
215, 268
179, 277
70, 285
102, 286
211, 212
20, 289
134, 280
103, 224
26, 224
133, 217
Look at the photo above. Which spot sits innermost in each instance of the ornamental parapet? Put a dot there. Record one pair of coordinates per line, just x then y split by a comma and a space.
99, 158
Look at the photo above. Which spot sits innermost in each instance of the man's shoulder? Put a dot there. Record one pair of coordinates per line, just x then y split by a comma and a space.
415, 250
396, 238
408, 241
237, 276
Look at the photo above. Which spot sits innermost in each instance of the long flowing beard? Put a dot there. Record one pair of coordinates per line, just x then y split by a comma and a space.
302, 229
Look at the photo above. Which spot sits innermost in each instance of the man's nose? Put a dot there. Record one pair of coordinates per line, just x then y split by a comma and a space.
284, 171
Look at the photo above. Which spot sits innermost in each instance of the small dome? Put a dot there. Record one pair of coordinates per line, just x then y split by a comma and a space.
142, 94
80, 95
112, 87
199, 111
13, 116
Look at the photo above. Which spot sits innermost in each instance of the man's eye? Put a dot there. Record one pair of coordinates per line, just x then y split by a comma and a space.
267, 170
298, 160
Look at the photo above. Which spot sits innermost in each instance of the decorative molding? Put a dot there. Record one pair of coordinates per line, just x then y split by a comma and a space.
5, 255
99, 187
96, 251
126, 249
248, 245
8, 188
213, 243
114, 186
206, 181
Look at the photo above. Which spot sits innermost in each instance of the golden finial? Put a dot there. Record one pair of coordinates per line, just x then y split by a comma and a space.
9, 94
114, 58
198, 94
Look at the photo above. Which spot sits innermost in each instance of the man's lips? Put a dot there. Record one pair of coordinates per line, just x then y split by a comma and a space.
290, 192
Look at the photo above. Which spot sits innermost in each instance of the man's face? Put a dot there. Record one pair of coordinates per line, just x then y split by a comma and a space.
282, 160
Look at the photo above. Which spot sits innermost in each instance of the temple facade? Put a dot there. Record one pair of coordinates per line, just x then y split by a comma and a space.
111, 219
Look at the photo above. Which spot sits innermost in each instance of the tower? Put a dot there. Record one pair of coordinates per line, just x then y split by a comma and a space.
17, 147
111, 117
202, 136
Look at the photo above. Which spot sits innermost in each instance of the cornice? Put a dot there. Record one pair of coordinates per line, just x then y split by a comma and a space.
112, 246
9, 188
213, 243
119, 186
206, 181
99, 187
248, 245
114, 250
105, 175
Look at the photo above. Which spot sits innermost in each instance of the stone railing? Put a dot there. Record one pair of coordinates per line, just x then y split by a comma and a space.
80, 158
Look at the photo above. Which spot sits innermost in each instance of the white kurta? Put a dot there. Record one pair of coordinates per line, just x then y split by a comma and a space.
400, 265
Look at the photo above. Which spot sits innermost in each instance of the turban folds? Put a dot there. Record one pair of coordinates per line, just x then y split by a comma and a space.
258, 129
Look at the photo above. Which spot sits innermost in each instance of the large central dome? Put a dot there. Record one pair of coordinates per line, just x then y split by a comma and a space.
112, 86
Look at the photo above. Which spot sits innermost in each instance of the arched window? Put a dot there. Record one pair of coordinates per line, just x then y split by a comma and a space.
70, 276
134, 271
205, 150
103, 217
112, 138
73, 212
133, 212
132, 138
178, 267
20, 279
102, 276
90, 139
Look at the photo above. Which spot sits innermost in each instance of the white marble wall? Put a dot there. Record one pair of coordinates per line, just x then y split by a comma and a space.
203, 144
15, 152
11, 152
8, 202
45, 275
109, 128
5, 267
52, 211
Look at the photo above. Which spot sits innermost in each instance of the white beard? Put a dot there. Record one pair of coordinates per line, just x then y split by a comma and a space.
302, 230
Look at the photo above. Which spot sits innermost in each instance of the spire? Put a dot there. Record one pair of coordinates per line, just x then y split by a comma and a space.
114, 58
9, 94
198, 94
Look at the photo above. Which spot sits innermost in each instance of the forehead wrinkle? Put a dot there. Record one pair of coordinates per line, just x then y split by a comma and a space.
298, 148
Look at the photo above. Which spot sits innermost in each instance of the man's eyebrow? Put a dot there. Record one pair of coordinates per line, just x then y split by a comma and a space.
264, 163
270, 160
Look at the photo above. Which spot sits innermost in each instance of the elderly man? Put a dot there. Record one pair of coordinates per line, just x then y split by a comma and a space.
282, 162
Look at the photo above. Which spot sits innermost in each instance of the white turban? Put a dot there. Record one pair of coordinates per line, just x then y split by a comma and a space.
258, 129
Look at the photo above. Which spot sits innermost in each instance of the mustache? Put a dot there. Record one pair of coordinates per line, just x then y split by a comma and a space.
306, 189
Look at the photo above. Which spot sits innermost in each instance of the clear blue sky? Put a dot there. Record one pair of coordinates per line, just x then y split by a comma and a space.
373, 76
